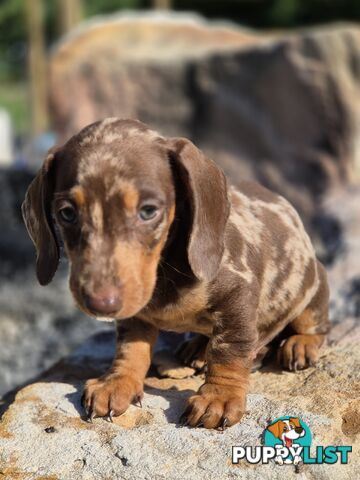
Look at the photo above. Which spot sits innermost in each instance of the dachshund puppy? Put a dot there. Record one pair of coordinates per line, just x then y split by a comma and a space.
156, 239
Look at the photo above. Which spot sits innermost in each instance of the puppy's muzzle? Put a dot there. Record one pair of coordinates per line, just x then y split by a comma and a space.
104, 301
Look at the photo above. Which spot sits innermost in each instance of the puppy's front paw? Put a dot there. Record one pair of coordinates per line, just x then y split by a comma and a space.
214, 406
298, 352
110, 395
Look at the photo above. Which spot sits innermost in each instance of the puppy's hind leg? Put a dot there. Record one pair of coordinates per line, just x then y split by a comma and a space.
310, 327
193, 352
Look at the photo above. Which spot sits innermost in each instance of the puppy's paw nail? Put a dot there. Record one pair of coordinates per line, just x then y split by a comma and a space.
183, 420
91, 416
137, 401
224, 424
109, 418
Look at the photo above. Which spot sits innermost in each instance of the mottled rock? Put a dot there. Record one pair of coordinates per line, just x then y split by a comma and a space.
344, 273
44, 435
134, 65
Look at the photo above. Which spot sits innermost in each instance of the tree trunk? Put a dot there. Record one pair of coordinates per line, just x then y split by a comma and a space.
161, 4
71, 13
37, 65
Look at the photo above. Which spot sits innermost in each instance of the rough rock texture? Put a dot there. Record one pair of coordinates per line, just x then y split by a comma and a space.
344, 273
284, 109
134, 66
38, 326
42, 434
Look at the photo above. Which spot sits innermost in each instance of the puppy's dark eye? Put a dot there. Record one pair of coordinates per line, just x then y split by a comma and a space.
148, 212
68, 215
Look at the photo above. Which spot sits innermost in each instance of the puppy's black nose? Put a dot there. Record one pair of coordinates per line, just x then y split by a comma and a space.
104, 301
299, 430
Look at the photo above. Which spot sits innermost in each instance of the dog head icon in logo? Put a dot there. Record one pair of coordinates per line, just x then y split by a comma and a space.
291, 433
287, 430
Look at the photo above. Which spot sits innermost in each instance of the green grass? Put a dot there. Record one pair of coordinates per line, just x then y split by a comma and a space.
14, 98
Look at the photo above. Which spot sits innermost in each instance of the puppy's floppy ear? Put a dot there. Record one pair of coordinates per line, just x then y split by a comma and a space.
36, 211
206, 187
295, 421
276, 428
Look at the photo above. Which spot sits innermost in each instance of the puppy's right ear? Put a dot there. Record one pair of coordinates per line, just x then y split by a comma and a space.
295, 421
36, 211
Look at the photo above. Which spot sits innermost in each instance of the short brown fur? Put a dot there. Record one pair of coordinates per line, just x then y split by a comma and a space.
232, 264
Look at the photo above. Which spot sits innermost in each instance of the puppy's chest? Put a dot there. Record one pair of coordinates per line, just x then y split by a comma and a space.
187, 313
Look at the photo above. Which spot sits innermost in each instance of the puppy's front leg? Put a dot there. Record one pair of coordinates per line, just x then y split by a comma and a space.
221, 400
111, 394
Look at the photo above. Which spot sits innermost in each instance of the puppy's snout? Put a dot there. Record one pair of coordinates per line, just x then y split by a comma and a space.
299, 430
105, 300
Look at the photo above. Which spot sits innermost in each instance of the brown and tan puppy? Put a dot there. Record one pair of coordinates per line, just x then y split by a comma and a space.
157, 240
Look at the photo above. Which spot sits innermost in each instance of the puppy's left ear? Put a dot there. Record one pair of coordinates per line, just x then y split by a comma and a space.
36, 211
206, 188
276, 428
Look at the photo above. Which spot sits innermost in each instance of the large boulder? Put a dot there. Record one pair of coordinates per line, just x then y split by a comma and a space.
136, 66
283, 109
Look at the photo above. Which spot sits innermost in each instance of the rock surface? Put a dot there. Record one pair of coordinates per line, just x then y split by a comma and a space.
43, 433
134, 65
38, 326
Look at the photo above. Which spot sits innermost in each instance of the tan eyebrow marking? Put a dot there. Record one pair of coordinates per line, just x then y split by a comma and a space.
130, 197
78, 195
